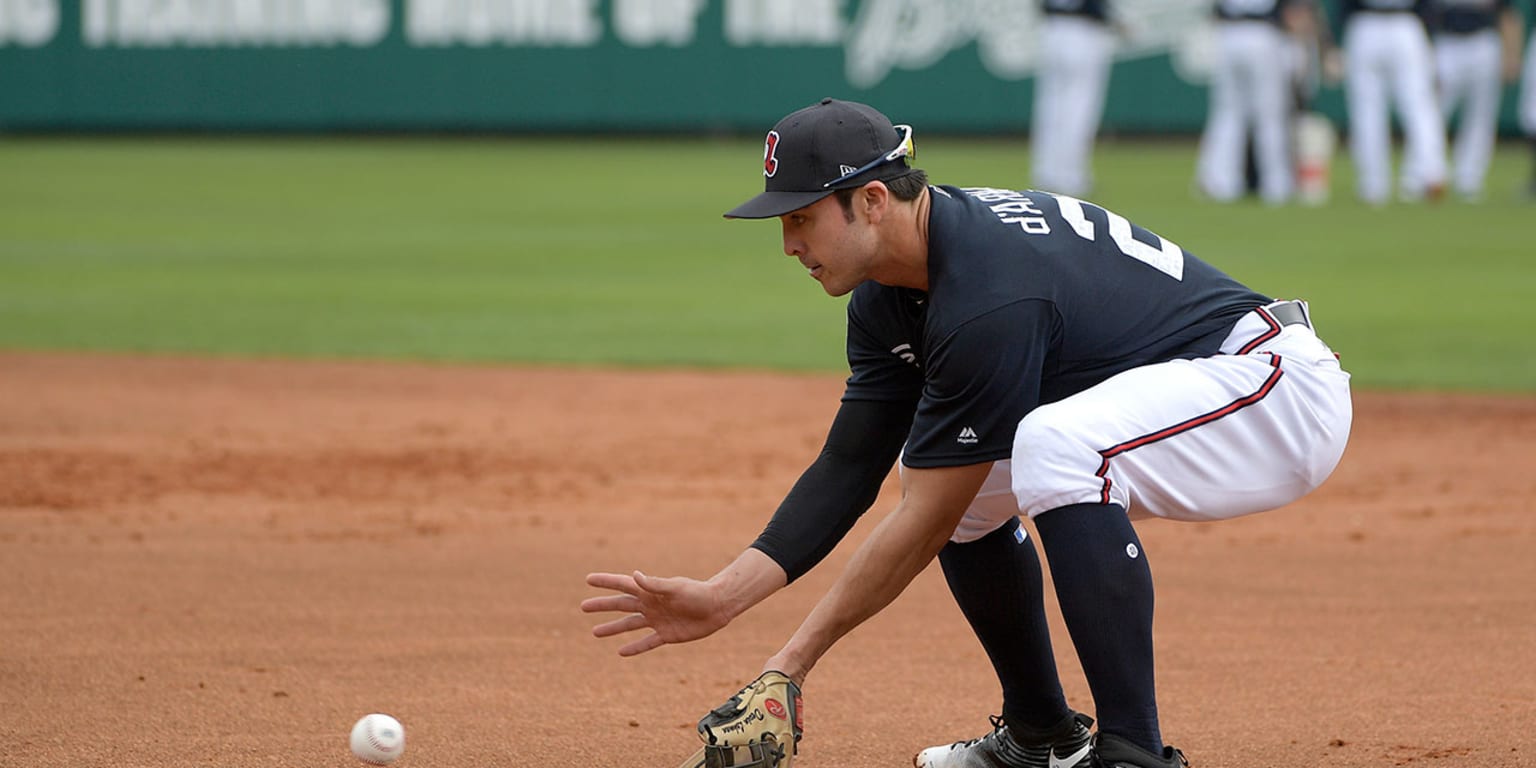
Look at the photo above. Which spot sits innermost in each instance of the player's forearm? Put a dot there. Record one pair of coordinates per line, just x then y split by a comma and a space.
838, 487
747, 581
895, 553
932, 504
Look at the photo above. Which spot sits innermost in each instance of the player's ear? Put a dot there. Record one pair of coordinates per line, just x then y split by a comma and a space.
874, 198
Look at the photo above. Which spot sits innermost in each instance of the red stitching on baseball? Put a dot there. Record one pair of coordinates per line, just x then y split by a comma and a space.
373, 741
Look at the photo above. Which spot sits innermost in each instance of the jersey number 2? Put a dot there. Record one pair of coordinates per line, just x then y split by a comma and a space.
1166, 257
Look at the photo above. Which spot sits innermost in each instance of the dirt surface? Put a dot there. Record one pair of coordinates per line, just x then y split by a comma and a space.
225, 563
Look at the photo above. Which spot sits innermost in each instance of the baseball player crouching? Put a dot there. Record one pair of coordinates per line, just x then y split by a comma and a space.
1024, 353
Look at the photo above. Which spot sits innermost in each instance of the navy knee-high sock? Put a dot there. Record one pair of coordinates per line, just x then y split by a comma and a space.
997, 583
1104, 587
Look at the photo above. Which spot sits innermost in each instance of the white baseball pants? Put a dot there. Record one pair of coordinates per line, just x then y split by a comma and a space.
1471, 81
1252, 429
1250, 94
1528, 89
1075, 58
1388, 63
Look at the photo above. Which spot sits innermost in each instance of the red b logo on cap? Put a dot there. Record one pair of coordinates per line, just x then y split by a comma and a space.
770, 146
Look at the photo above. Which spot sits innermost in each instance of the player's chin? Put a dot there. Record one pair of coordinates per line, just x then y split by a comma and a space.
833, 288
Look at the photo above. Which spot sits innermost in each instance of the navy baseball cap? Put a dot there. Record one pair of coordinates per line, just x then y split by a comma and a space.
820, 149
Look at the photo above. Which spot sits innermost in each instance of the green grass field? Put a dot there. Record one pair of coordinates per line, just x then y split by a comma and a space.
594, 251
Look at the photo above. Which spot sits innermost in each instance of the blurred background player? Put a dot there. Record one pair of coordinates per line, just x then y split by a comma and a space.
1477, 51
1388, 67
1528, 105
1077, 48
1252, 95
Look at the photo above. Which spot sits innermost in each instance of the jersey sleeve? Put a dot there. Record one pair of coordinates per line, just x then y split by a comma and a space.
838, 487
981, 381
882, 361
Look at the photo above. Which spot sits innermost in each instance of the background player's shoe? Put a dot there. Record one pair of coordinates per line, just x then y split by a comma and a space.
1111, 751
998, 749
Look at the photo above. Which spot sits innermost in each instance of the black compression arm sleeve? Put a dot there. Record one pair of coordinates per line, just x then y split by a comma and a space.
838, 487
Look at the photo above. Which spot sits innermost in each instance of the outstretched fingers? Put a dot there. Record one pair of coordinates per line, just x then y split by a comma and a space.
619, 582
630, 602
648, 643
626, 603
676, 609
629, 623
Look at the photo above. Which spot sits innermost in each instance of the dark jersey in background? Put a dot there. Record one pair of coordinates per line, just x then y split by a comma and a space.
1352, 7
1097, 10
1250, 10
1465, 17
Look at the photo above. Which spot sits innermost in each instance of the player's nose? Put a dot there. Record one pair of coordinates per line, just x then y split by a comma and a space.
793, 246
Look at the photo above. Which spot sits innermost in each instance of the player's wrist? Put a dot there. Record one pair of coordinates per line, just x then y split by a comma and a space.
786, 664
749, 579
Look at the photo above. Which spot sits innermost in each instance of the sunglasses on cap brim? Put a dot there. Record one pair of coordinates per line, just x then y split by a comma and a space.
903, 149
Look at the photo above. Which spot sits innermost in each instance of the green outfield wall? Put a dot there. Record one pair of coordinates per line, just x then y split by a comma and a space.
550, 65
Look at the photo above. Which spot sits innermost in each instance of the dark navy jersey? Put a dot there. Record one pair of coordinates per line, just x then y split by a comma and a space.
1464, 17
1352, 7
1250, 10
1097, 10
1031, 298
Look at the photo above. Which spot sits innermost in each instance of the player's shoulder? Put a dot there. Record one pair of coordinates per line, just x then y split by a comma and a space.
996, 201
870, 297
1027, 218
885, 311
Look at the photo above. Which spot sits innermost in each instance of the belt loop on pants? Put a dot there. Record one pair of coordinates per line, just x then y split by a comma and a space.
1265, 323
1288, 313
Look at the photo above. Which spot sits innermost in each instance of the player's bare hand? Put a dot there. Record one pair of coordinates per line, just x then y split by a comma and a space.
676, 609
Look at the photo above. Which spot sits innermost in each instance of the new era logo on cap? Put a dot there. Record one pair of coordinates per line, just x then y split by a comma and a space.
827, 146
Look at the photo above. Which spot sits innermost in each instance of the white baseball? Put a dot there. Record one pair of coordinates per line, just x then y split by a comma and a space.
378, 739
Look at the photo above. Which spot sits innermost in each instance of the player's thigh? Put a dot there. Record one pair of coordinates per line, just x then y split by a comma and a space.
1199, 439
1484, 82
1449, 76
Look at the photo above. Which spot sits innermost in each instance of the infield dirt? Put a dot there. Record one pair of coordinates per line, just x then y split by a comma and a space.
225, 563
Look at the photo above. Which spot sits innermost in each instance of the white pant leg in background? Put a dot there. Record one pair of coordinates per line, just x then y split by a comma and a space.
1270, 105
1470, 80
1075, 59
1219, 168
1273, 114
1388, 64
1205, 439
1366, 59
1413, 92
1528, 89
1249, 96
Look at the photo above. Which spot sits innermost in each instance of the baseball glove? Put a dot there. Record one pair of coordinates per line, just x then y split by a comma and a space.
759, 727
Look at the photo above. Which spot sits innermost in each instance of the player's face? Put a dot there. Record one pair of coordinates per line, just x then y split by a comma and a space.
837, 252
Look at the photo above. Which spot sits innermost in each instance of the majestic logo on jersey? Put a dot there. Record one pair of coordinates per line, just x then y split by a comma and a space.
968, 437
770, 148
